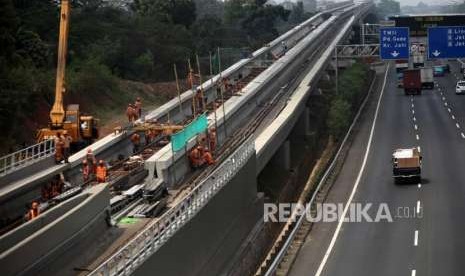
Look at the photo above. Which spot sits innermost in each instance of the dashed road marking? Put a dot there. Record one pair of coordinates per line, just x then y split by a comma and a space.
413, 111
453, 117
418, 207
416, 127
418, 137
443, 98
445, 104
413, 105
457, 125
414, 272
414, 119
415, 240
419, 149
448, 109
419, 185
463, 135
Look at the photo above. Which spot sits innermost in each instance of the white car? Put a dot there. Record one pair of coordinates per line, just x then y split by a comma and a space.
460, 88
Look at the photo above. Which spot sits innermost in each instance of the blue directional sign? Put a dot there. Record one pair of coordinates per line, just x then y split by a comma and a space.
394, 42
446, 42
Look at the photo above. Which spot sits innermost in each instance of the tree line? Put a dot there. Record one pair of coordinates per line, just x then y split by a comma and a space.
114, 40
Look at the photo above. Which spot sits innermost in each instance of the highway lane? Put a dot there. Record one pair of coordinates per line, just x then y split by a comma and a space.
382, 248
441, 240
430, 242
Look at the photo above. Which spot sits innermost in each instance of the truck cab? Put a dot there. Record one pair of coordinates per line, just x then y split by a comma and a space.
406, 165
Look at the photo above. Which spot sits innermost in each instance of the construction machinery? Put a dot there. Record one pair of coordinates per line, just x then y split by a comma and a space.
406, 164
82, 129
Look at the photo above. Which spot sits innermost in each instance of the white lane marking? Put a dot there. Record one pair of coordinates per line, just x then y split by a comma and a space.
419, 185
457, 125
419, 149
443, 98
418, 207
445, 104
357, 181
414, 119
415, 240
414, 272
416, 127
418, 137
463, 135
448, 109
413, 106
413, 111
453, 117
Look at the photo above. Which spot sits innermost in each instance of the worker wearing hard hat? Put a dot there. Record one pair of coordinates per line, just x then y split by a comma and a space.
34, 211
101, 172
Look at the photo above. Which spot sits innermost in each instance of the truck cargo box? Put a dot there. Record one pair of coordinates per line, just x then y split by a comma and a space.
427, 78
412, 81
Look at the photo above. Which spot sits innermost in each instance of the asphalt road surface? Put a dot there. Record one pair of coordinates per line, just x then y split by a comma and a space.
426, 235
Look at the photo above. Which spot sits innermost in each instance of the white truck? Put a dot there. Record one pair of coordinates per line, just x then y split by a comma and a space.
418, 61
427, 78
406, 165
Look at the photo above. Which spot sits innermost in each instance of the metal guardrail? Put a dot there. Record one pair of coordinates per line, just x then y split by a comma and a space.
147, 242
26, 156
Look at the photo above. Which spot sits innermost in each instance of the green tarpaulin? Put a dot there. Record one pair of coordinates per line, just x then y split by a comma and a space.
180, 139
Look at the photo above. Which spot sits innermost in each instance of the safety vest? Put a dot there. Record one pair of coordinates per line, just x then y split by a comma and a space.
101, 173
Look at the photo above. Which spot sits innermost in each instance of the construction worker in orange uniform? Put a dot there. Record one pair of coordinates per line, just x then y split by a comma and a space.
138, 107
34, 211
208, 157
66, 145
130, 112
101, 172
59, 148
212, 139
135, 139
195, 157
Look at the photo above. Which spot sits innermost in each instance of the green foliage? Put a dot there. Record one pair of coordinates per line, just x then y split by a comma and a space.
352, 88
339, 116
168, 11
109, 41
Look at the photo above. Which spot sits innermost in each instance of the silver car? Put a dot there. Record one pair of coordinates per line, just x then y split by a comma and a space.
460, 88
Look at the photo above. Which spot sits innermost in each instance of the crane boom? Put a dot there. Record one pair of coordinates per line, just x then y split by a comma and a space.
57, 114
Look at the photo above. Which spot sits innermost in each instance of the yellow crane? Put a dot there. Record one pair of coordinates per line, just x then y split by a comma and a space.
83, 129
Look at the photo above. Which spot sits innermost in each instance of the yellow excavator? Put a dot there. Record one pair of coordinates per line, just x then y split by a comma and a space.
83, 129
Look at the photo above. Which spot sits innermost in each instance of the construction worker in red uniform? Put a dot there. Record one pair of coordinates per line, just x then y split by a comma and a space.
135, 139
34, 211
59, 148
101, 172
138, 107
86, 171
